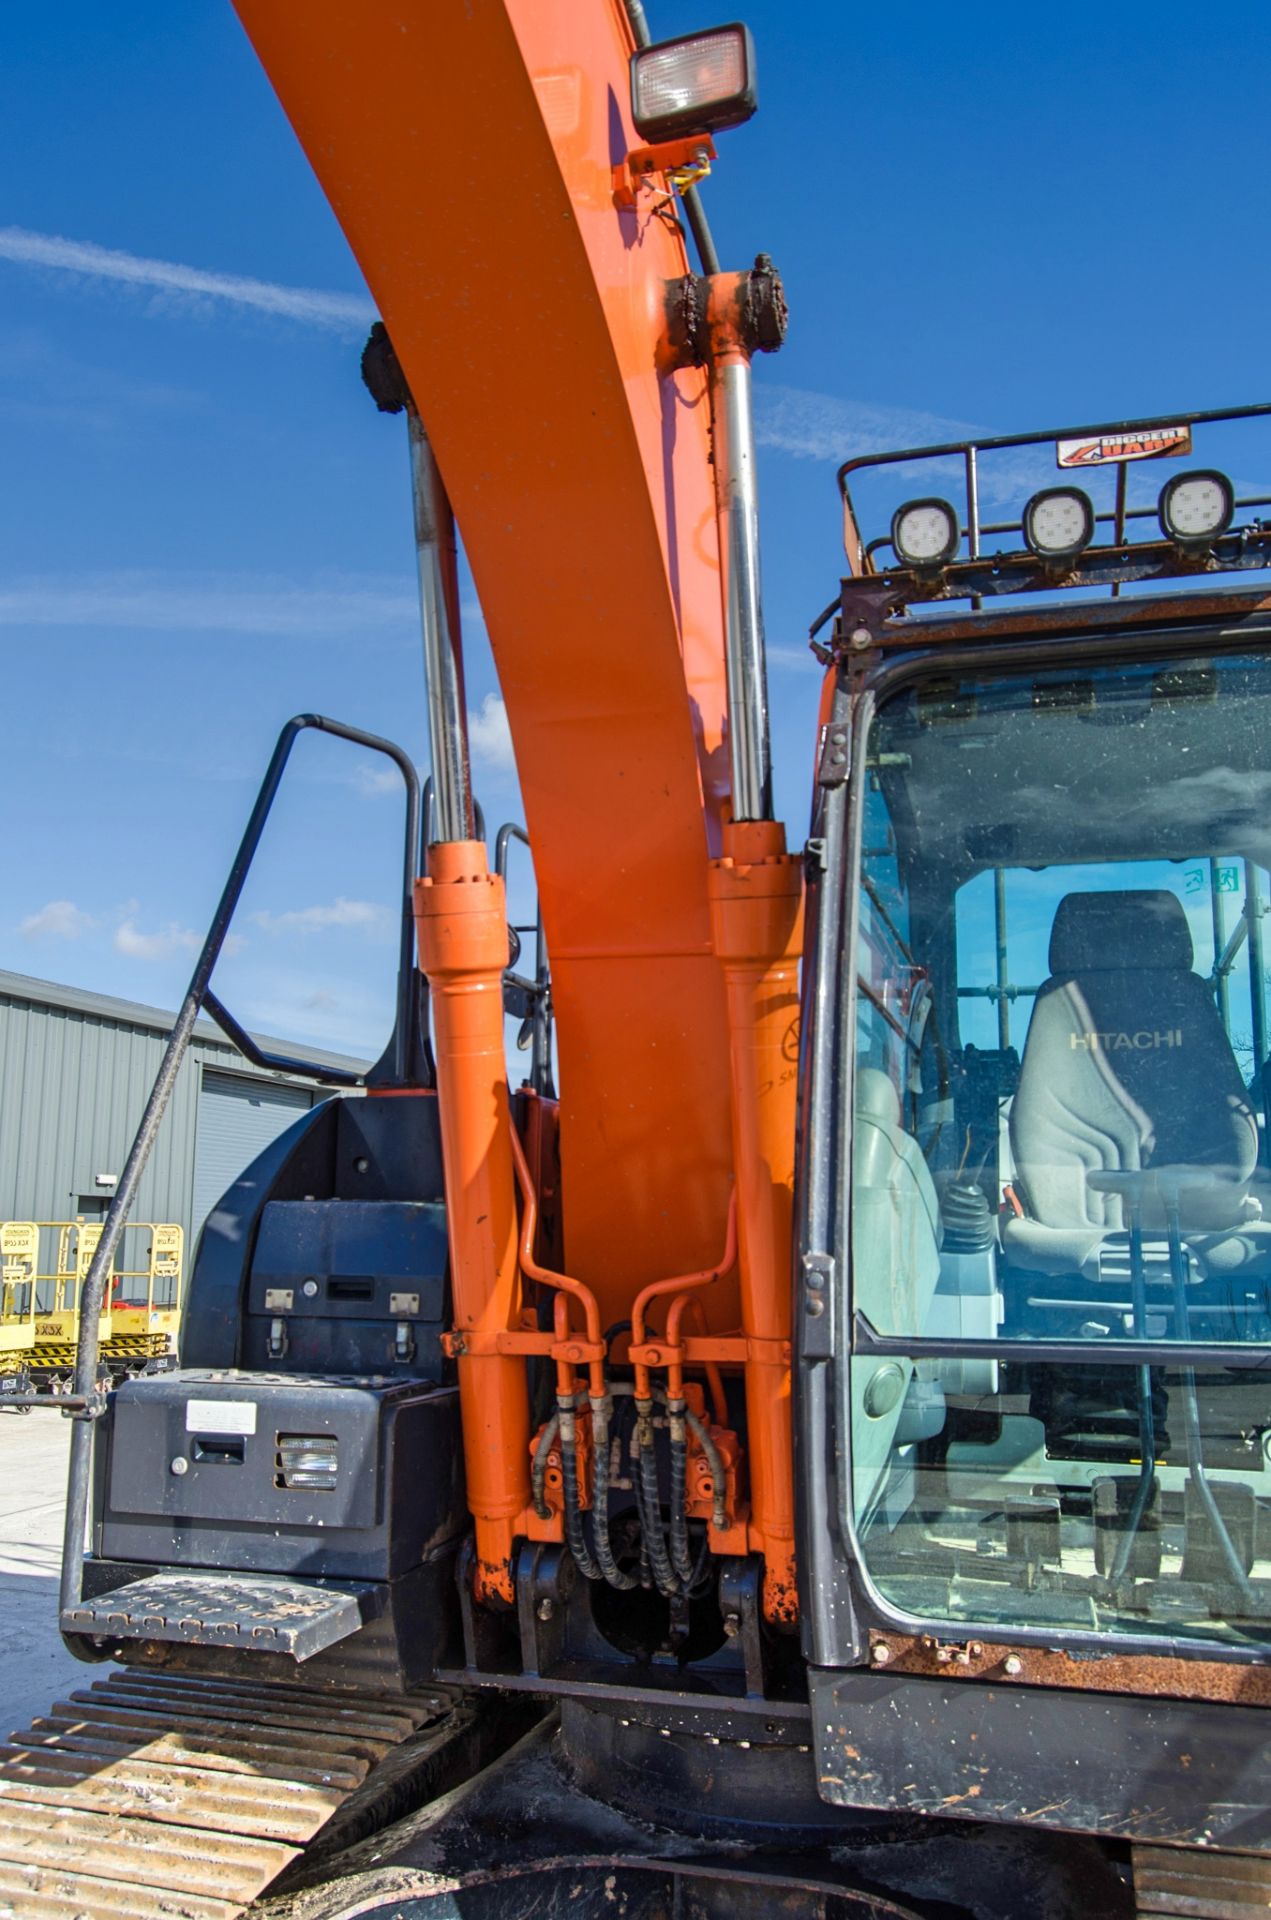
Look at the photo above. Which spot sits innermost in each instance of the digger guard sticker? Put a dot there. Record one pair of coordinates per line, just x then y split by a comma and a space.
1103, 449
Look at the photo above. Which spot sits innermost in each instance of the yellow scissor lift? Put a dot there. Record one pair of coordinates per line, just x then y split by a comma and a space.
19, 1263
140, 1314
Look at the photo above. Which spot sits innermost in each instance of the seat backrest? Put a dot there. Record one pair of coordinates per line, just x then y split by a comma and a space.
895, 1213
1127, 1066
895, 1262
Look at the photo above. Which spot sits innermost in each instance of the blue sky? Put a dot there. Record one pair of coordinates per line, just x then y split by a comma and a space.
990, 218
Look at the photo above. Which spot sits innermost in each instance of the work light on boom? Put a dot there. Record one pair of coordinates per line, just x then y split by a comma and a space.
696, 85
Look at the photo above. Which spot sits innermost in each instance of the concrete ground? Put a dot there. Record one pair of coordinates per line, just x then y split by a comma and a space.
35, 1668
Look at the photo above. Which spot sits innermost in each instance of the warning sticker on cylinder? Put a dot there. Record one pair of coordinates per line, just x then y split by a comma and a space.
220, 1416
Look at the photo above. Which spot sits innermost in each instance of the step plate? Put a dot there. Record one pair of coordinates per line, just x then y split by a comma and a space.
260, 1613
1208, 1885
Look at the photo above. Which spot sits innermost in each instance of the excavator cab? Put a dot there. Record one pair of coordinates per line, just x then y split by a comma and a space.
1114, 1201
1051, 1269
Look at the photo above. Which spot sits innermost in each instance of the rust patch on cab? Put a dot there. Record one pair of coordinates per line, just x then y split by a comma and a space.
1158, 1676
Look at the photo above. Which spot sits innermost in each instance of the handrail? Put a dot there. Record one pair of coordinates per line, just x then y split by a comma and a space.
979, 575
86, 1403
277, 1062
992, 443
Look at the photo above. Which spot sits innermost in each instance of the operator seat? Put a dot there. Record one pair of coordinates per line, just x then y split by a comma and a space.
1127, 1067
896, 1234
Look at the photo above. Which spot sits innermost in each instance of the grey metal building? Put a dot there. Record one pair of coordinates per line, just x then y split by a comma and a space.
75, 1072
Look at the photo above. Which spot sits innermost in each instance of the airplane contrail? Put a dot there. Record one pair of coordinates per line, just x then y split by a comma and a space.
341, 312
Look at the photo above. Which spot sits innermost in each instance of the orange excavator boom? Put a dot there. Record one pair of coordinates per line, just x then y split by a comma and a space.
469, 154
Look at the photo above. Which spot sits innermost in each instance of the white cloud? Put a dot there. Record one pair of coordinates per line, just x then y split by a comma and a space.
339, 913
59, 920
490, 736
197, 603
342, 312
372, 781
349, 1013
792, 659
819, 426
160, 945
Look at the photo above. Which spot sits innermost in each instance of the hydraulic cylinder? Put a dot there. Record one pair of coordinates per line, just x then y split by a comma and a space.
461, 919
756, 895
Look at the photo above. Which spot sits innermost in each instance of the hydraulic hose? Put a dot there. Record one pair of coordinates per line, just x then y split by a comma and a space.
674, 1572
650, 1502
601, 1410
538, 1473
681, 1554
575, 1532
719, 1489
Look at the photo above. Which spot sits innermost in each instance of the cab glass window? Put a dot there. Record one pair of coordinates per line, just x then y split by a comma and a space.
1060, 1141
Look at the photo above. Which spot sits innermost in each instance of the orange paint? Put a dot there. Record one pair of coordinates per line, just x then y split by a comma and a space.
642, 1355
692, 1304
461, 919
564, 1285
468, 153
756, 897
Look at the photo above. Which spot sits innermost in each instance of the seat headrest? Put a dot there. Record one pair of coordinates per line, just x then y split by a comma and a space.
877, 1097
1106, 932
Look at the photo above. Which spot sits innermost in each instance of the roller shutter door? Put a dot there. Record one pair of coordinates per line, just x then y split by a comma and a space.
238, 1117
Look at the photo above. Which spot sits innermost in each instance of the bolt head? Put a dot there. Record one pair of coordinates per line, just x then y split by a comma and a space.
860, 638
546, 1608
732, 1625
1012, 1664
180, 1465
880, 1653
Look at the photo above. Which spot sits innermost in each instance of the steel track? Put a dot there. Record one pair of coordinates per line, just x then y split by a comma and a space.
157, 1797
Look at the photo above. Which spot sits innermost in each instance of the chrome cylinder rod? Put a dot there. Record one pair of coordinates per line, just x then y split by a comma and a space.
452, 810
737, 510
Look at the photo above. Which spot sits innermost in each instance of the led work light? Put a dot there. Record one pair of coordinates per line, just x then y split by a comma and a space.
925, 533
1194, 508
1058, 523
695, 85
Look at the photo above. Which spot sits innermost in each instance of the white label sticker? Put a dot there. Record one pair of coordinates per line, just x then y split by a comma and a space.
220, 1416
1104, 449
